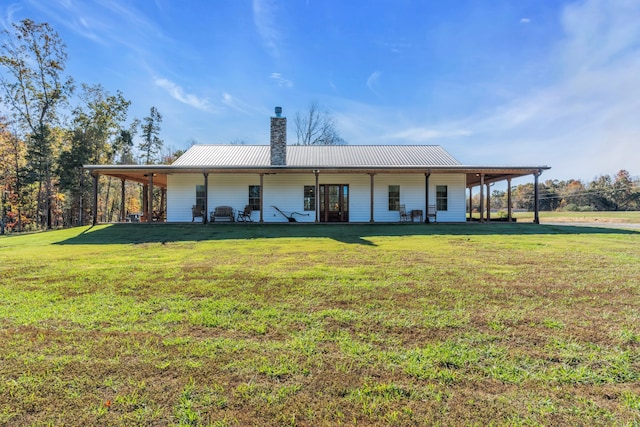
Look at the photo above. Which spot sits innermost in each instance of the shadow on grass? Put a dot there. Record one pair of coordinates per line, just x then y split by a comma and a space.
346, 233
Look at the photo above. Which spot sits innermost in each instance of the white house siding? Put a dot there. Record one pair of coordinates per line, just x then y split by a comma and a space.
286, 191
411, 195
181, 195
456, 195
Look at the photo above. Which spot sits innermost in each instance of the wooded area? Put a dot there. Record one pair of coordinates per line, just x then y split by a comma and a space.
49, 128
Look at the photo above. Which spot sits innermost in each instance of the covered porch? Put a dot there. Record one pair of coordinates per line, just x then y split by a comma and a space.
152, 176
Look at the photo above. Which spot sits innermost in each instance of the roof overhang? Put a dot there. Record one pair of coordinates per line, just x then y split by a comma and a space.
141, 173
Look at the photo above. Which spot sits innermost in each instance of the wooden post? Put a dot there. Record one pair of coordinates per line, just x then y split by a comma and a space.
145, 199
470, 203
150, 200
426, 197
123, 214
488, 202
95, 199
163, 201
371, 220
536, 199
205, 218
317, 195
261, 197
481, 207
509, 208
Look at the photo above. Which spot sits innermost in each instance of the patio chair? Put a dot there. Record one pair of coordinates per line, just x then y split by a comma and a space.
197, 211
245, 215
404, 216
432, 213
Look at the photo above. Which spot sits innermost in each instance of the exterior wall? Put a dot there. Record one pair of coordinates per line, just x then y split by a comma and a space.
457, 202
286, 191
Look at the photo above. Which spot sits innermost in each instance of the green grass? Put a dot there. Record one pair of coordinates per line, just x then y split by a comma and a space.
233, 325
630, 217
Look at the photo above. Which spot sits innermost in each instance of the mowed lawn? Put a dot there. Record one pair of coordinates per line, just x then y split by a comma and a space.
312, 325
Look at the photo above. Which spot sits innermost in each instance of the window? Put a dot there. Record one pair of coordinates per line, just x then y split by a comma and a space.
309, 197
394, 197
441, 197
254, 197
200, 196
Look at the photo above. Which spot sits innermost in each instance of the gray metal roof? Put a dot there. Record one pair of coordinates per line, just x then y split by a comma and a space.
338, 156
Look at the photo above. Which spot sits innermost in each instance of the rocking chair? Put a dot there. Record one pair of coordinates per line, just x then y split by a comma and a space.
245, 215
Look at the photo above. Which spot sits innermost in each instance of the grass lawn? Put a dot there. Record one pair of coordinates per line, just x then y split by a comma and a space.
628, 217
236, 325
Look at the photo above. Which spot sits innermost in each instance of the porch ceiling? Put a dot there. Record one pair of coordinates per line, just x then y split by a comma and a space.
140, 173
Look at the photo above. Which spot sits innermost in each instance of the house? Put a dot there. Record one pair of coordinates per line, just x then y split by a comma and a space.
345, 183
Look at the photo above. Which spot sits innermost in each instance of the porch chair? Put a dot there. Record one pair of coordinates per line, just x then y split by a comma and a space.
197, 212
432, 213
245, 215
404, 216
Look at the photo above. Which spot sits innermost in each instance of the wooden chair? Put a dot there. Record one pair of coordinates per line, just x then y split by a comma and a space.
197, 212
404, 216
245, 215
432, 213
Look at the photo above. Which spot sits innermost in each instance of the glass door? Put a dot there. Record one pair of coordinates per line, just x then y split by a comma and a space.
334, 203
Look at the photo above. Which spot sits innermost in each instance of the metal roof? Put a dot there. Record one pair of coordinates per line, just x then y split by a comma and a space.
339, 156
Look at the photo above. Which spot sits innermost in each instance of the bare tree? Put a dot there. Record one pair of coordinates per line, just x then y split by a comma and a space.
317, 127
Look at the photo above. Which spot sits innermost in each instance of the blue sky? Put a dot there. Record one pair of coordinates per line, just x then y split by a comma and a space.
495, 82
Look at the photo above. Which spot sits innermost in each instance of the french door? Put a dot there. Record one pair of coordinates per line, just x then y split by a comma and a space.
334, 203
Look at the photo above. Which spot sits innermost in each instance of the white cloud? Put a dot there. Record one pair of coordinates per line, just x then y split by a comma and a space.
525, 20
264, 18
179, 94
419, 135
584, 122
281, 81
372, 81
232, 102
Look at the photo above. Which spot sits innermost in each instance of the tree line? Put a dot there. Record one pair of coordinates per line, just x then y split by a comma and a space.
45, 140
619, 192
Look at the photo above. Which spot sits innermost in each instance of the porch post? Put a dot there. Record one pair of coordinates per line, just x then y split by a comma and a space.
509, 209
317, 195
163, 203
371, 198
536, 199
488, 202
426, 196
150, 200
261, 197
481, 197
145, 199
205, 218
123, 217
95, 199
470, 203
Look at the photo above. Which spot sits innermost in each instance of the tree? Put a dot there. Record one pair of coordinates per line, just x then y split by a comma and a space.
93, 138
626, 193
33, 58
317, 127
151, 143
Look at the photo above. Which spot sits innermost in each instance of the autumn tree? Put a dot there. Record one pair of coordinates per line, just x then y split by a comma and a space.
317, 127
96, 127
32, 61
151, 143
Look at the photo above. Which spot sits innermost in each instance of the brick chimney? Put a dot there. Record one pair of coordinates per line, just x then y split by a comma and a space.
278, 139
